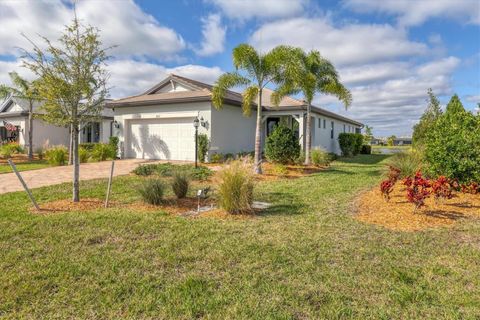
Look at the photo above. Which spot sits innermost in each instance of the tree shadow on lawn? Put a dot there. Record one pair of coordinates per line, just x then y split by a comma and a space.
288, 205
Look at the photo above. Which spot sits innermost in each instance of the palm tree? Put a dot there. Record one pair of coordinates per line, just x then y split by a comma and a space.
25, 90
255, 71
315, 74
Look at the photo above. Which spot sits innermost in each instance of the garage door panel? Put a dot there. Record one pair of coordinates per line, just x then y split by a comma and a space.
169, 139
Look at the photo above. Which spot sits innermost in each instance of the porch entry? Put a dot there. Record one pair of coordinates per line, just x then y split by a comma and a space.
294, 122
90, 133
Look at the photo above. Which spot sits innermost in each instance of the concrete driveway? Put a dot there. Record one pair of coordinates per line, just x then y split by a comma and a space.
56, 175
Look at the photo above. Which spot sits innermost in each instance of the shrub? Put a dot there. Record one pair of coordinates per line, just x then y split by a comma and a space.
9, 149
407, 162
366, 149
386, 187
229, 156
320, 157
246, 154
202, 147
164, 169
87, 145
57, 156
180, 184
216, 158
83, 155
452, 145
235, 190
417, 190
472, 187
350, 143
282, 146
152, 191
114, 141
300, 160
333, 156
39, 153
103, 151
201, 173
280, 170
145, 169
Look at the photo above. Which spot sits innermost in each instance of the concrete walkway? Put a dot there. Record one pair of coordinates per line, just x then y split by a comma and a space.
56, 175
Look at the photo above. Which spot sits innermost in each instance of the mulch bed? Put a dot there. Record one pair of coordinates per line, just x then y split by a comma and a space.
397, 214
18, 158
292, 171
66, 205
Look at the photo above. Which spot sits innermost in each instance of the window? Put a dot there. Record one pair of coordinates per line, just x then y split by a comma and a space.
319, 123
331, 130
344, 130
324, 123
358, 130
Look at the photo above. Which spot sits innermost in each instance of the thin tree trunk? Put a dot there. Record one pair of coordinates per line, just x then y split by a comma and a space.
70, 147
76, 164
308, 134
30, 131
258, 135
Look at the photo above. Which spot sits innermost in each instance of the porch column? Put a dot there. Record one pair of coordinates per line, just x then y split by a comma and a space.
301, 129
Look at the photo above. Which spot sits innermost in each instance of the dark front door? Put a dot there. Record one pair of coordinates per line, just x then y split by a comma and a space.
271, 124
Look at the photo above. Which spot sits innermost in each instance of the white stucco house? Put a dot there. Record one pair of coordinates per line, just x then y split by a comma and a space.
158, 124
14, 112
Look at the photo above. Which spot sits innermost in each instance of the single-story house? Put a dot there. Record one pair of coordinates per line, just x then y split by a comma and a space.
158, 124
14, 126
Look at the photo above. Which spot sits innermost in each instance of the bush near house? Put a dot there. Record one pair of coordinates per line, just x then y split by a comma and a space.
113, 141
9, 149
350, 143
57, 156
103, 151
235, 190
320, 157
366, 149
282, 146
83, 155
168, 170
216, 158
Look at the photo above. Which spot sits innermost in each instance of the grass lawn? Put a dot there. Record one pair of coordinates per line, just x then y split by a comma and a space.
305, 258
24, 166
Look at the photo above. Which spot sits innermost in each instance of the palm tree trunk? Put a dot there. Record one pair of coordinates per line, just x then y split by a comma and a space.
308, 134
258, 136
30, 131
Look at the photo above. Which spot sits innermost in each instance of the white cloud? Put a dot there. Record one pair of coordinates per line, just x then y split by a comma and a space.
9, 66
349, 44
412, 13
213, 33
129, 77
473, 98
122, 23
364, 74
394, 105
249, 9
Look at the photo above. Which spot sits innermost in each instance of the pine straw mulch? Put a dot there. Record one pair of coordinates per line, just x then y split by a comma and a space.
293, 171
397, 214
19, 158
176, 207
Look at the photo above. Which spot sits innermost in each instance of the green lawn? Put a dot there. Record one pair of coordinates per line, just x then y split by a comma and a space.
305, 258
24, 166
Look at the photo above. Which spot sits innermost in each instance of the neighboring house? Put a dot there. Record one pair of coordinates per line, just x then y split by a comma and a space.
14, 112
402, 141
158, 124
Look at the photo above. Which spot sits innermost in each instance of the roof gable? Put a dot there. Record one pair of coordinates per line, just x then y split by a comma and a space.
174, 83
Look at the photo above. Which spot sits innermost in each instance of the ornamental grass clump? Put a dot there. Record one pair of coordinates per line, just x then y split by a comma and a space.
57, 156
320, 157
418, 190
235, 190
180, 184
152, 191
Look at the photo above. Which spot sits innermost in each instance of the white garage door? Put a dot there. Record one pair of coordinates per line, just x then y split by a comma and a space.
170, 139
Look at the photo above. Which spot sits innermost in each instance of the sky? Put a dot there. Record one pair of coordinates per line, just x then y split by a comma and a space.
388, 53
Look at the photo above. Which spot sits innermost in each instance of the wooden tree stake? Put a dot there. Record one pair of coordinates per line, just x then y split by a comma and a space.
14, 168
109, 189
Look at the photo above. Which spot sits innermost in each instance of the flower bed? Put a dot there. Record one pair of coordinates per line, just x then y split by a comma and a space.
397, 214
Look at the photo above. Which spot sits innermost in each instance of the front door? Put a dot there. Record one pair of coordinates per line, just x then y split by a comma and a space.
271, 124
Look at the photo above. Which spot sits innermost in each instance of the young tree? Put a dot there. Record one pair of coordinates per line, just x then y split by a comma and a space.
431, 114
391, 140
452, 146
25, 90
368, 135
255, 71
314, 74
72, 82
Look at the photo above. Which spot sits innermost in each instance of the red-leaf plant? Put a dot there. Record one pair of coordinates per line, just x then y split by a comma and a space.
417, 190
472, 187
442, 189
386, 187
